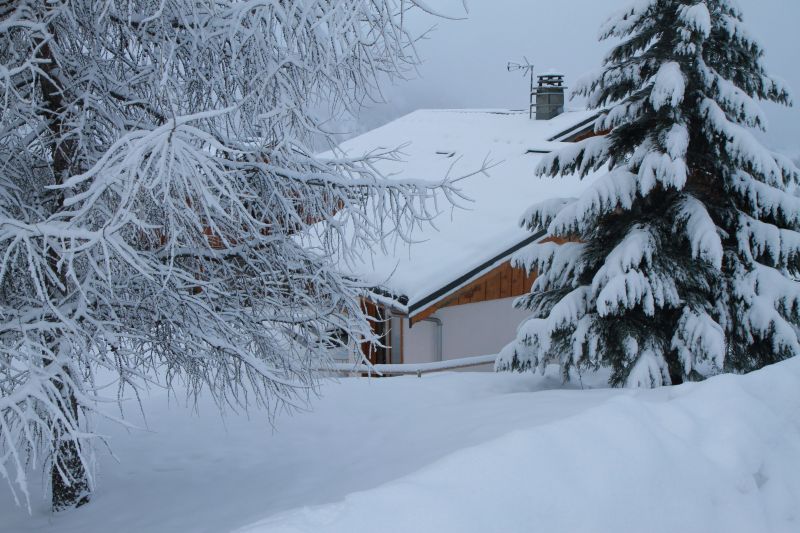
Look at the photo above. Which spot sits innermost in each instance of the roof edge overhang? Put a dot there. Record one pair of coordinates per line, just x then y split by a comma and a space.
414, 308
397, 303
576, 129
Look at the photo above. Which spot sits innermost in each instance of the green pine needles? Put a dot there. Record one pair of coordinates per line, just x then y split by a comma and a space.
684, 251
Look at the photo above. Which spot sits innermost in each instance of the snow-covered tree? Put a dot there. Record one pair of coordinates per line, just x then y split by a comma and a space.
162, 216
683, 253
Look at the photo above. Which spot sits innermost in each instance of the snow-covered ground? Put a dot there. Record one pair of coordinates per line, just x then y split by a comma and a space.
460, 452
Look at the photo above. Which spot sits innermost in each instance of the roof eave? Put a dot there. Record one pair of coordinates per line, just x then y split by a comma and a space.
414, 308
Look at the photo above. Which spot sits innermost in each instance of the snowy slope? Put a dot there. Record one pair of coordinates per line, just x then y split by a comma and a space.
438, 143
197, 473
461, 453
722, 456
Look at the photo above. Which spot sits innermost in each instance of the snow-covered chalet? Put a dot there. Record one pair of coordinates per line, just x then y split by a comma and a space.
449, 294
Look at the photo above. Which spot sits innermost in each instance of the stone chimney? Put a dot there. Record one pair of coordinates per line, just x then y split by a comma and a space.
548, 96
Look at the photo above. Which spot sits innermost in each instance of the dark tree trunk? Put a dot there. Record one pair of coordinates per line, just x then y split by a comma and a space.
73, 492
69, 480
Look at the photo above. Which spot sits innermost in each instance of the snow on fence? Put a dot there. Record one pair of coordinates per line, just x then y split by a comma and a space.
418, 368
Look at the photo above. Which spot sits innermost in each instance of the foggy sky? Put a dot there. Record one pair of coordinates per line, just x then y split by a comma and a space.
465, 60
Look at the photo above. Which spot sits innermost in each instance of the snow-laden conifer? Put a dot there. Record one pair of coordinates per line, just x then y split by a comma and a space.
684, 252
162, 215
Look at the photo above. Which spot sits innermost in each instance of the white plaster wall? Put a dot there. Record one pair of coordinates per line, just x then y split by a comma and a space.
472, 329
419, 343
479, 329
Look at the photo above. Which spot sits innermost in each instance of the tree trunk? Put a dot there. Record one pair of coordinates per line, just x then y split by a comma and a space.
675, 372
68, 476
69, 480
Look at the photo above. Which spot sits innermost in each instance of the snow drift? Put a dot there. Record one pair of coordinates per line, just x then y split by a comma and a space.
723, 455
456, 452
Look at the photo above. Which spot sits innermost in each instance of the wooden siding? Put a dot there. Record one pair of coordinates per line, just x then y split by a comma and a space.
504, 281
377, 355
381, 325
587, 134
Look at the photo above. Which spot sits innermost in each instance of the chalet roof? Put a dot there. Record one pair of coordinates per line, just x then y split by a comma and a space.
465, 242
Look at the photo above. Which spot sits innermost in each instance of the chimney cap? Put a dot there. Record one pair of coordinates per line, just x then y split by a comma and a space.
551, 79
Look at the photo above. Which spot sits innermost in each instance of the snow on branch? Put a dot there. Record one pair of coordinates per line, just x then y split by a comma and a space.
669, 86
768, 244
699, 340
534, 337
763, 201
616, 189
650, 368
556, 264
700, 230
163, 213
742, 146
540, 215
581, 158
770, 313
627, 20
620, 284
736, 103
696, 17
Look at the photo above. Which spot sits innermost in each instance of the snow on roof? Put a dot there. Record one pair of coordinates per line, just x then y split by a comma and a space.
437, 142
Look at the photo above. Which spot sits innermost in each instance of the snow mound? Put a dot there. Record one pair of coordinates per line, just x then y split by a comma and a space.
718, 456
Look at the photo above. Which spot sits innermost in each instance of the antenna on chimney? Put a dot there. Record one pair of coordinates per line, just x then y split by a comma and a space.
527, 69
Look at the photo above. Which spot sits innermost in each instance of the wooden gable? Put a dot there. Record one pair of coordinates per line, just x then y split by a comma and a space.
503, 281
